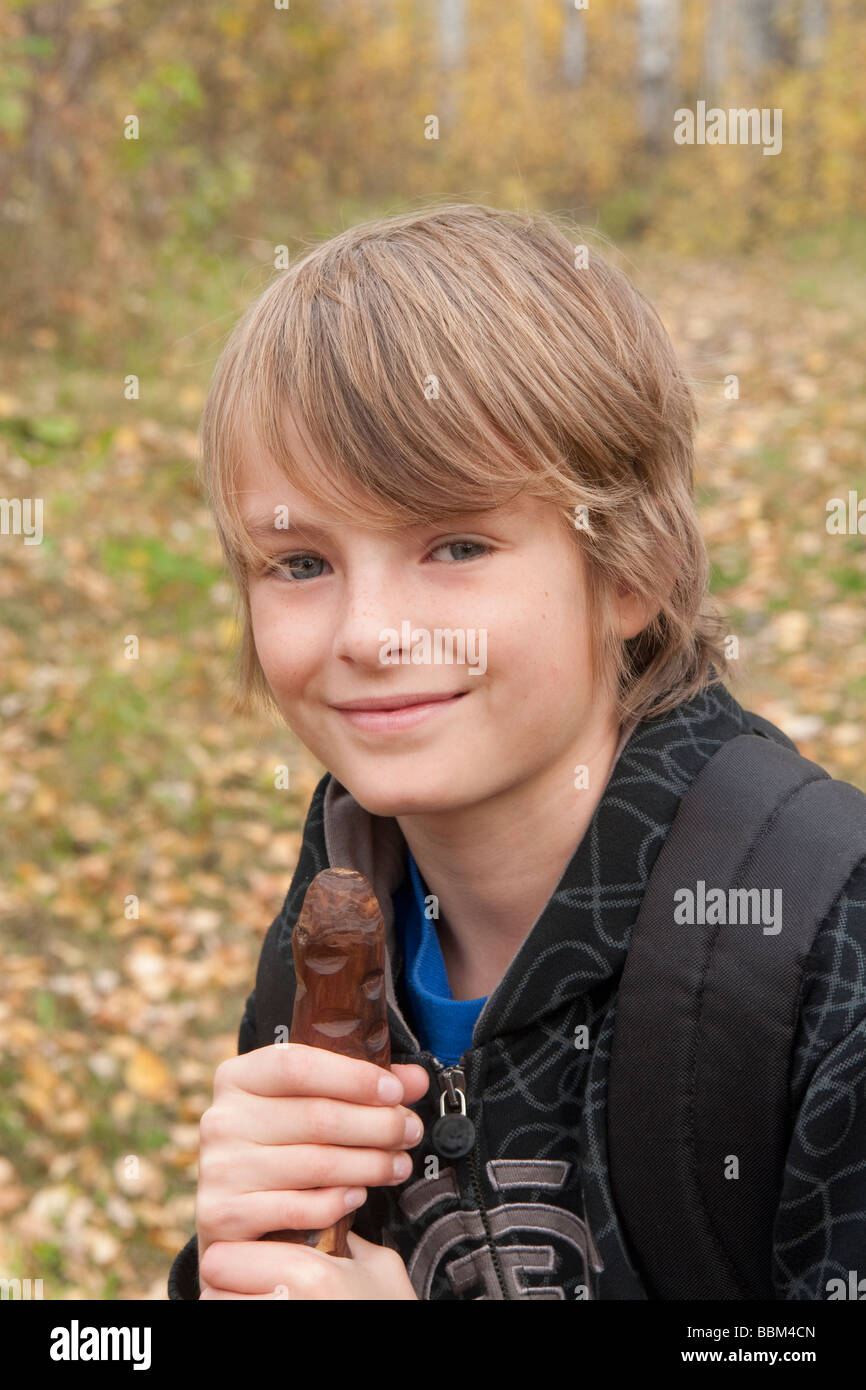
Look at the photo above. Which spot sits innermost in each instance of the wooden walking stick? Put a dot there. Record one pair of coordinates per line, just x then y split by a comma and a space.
338, 946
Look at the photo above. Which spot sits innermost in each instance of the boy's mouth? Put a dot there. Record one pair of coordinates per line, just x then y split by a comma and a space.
398, 701
393, 712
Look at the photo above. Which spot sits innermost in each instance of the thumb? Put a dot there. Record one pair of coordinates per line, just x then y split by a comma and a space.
360, 1249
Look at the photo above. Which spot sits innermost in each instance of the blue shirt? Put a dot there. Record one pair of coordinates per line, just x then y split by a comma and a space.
444, 1025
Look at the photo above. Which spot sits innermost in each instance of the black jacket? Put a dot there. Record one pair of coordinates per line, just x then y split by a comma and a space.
529, 1213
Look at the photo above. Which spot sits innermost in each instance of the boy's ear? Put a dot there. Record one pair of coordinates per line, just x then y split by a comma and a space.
635, 612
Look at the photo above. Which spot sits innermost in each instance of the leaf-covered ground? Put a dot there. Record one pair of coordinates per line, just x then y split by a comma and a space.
123, 778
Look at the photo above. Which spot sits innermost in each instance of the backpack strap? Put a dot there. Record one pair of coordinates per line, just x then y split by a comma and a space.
707, 1014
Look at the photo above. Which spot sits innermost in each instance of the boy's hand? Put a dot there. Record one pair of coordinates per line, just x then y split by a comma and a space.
275, 1269
291, 1129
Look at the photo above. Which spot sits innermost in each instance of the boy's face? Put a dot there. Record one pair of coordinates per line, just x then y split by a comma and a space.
510, 582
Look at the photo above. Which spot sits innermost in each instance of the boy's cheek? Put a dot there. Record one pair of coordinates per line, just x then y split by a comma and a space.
277, 650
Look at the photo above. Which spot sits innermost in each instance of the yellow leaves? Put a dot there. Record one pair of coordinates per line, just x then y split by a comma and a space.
38, 1086
149, 969
148, 1076
50, 1098
71, 1122
284, 849
44, 805
126, 439
232, 22
121, 1008
33, 879
12, 1193
122, 1107
137, 1176
184, 1149
84, 822
168, 1240
94, 870
19, 1033
232, 68
743, 436
44, 338
790, 630
749, 505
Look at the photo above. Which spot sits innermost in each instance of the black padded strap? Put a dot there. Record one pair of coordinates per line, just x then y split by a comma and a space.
706, 1016
807, 852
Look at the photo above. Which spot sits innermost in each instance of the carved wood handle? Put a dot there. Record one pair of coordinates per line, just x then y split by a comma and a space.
338, 947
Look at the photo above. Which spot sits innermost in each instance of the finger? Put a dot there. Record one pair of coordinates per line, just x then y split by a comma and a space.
301, 1166
378, 1267
250, 1215
272, 1268
309, 1120
294, 1069
360, 1249
214, 1294
416, 1080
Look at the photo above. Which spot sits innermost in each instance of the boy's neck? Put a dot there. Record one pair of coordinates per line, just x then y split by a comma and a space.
495, 866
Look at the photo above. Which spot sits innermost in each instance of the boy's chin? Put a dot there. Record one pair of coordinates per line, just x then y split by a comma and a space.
382, 798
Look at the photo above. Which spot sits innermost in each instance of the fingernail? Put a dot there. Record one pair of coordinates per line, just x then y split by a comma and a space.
355, 1196
390, 1088
413, 1131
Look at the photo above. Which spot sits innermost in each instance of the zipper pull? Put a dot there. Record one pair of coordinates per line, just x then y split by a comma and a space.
453, 1135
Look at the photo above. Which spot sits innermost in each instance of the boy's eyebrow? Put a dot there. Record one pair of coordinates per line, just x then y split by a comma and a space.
262, 524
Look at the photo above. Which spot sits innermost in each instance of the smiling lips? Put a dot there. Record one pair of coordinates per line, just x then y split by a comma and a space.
394, 712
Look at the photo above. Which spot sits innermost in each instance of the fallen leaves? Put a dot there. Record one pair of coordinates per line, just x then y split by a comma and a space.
148, 1075
147, 847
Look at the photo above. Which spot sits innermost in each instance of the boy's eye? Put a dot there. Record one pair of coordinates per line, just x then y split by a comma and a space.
478, 546
299, 566
307, 566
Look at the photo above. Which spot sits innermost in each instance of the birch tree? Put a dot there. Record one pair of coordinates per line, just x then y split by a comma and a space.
813, 28
717, 38
573, 45
658, 50
758, 34
451, 45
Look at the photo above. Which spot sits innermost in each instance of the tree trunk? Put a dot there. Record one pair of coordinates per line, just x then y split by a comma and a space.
658, 50
717, 38
573, 45
813, 27
759, 37
451, 44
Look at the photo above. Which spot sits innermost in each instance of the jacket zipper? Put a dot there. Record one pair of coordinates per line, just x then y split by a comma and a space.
452, 1079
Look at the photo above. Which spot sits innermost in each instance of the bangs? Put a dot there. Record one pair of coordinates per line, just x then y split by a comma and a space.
402, 378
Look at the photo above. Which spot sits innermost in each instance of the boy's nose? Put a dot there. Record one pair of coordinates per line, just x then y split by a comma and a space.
368, 622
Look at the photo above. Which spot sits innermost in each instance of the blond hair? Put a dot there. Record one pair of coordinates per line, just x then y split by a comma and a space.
448, 359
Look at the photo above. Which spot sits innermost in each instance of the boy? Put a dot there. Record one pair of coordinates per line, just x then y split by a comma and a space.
451, 428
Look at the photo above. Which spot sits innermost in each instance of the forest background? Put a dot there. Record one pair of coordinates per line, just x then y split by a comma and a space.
153, 158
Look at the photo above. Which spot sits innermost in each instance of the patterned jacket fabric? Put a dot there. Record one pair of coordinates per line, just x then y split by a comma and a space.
529, 1213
